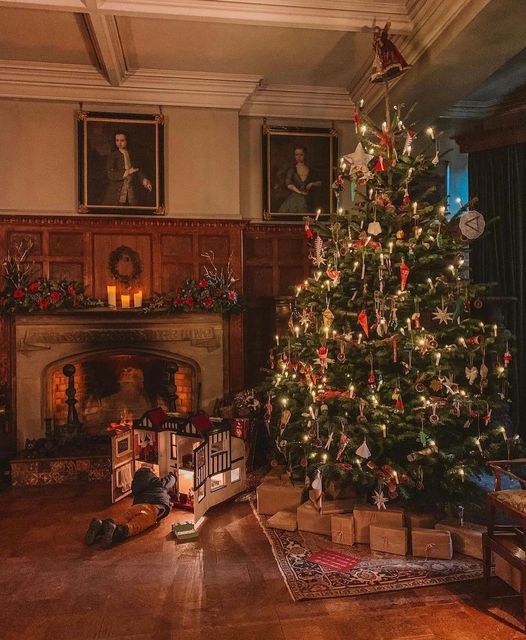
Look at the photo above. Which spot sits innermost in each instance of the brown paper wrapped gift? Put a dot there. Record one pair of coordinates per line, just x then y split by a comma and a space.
285, 520
467, 539
419, 520
278, 496
310, 520
432, 543
329, 507
389, 539
342, 528
365, 515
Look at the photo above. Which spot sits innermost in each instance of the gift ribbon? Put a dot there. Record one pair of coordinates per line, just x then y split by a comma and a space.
428, 548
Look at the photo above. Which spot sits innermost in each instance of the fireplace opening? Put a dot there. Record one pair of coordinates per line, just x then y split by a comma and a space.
112, 385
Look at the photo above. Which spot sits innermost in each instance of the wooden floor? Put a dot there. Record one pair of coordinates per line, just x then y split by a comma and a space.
226, 586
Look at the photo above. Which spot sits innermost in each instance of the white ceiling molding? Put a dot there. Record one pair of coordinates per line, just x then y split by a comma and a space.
338, 15
74, 83
289, 101
107, 44
435, 25
478, 109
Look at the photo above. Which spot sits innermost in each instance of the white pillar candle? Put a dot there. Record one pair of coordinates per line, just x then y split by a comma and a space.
125, 300
137, 299
112, 295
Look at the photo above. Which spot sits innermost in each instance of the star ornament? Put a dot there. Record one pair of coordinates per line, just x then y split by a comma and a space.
442, 315
358, 160
379, 500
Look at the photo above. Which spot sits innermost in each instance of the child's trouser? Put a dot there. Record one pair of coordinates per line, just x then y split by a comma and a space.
139, 517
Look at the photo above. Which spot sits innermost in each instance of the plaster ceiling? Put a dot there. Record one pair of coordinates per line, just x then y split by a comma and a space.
278, 57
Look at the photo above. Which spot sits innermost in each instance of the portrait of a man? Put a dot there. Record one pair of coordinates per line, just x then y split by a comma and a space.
299, 166
120, 163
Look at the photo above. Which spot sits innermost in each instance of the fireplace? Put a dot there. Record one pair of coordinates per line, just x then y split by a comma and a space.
121, 361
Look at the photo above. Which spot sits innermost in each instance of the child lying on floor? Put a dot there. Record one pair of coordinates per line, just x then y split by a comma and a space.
151, 503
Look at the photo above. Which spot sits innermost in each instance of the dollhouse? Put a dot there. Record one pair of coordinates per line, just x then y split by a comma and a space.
206, 458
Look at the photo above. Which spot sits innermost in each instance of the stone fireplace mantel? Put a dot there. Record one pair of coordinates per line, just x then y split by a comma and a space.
42, 341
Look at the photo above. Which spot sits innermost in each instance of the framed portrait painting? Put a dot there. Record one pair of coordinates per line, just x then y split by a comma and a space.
299, 169
120, 163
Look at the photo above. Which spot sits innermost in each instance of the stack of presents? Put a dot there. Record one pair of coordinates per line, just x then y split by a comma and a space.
388, 530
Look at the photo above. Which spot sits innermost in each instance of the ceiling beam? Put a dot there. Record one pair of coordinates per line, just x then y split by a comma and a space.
106, 41
336, 15
80, 83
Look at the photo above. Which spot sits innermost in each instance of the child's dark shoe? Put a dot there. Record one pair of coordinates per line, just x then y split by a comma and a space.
93, 532
108, 529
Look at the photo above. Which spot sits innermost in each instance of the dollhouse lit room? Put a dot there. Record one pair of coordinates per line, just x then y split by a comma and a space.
262, 319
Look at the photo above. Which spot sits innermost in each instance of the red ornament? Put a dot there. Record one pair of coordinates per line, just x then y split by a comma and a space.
399, 406
308, 232
379, 165
363, 322
507, 358
404, 274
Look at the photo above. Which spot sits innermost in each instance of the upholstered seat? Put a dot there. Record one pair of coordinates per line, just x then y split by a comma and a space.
512, 498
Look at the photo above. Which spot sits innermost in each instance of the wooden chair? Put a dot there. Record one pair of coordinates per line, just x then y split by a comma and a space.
509, 540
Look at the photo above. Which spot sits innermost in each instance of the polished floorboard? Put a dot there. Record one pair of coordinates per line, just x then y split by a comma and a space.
226, 586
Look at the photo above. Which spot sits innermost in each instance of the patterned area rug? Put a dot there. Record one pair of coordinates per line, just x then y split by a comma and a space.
375, 572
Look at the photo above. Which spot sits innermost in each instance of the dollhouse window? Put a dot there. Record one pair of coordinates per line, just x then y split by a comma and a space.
217, 447
173, 446
217, 482
235, 475
200, 493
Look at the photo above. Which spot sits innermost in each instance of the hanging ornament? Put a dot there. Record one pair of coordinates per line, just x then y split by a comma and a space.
328, 317
472, 225
334, 276
318, 258
379, 499
442, 314
409, 137
342, 445
420, 479
507, 357
404, 274
341, 355
358, 161
363, 450
363, 322
323, 360
328, 444
374, 228
284, 419
388, 61
362, 417
379, 164
317, 490
308, 231
471, 374
487, 418
435, 385
406, 200
433, 418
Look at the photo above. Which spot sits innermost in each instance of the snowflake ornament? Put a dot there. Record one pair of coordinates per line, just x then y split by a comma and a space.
442, 315
379, 500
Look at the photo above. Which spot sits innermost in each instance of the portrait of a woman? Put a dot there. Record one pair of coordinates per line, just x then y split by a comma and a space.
299, 180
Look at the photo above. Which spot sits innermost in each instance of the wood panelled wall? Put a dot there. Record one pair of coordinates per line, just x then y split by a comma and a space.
269, 259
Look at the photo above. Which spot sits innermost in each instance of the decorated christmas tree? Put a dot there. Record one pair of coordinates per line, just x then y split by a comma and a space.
388, 381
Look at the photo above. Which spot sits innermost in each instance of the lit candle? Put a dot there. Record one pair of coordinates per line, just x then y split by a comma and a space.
277, 341
137, 299
297, 331
360, 338
415, 207
495, 330
112, 296
395, 475
125, 300
408, 321
461, 473
326, 330
503, 431
390, 245
384, 430
381, 259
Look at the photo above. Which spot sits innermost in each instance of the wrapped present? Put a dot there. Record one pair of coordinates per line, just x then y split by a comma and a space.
431, 543
505, 571
466, 539
388, 539
329, 507
185, 531
278, 495
276, 475
285, 520
310, 520
366, 515
342, 528
419, 520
